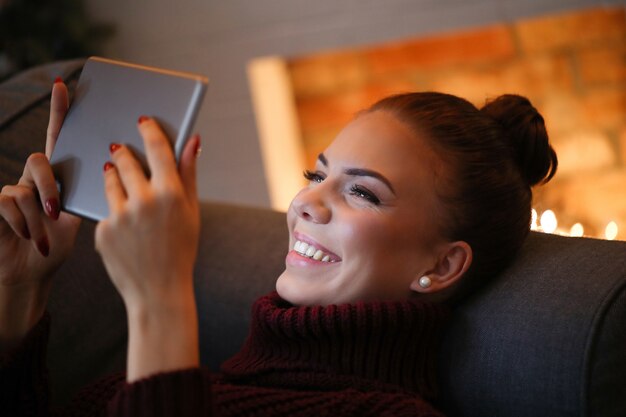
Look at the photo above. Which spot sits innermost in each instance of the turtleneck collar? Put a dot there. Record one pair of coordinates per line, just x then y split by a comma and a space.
365, 345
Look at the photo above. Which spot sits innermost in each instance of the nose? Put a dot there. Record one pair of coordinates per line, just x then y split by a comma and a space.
310, 205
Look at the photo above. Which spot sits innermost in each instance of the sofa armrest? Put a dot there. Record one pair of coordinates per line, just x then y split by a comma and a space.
546, 338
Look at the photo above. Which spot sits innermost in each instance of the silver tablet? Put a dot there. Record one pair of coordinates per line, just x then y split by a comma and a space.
109, 98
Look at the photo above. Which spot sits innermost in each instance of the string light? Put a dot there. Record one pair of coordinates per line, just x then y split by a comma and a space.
548, 221
611, 231
577, 230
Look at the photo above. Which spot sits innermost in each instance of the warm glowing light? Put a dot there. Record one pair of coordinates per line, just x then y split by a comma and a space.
577, 230
548, 221
533, 220
611, 231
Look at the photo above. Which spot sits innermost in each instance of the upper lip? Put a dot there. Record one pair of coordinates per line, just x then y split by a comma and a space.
304, 238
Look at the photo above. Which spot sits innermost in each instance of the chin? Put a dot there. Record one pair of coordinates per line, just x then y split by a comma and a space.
293, 293
284, 289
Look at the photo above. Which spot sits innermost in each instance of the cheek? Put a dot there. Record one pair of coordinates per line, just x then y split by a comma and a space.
382, 259
373, 235
356, 230
395, 244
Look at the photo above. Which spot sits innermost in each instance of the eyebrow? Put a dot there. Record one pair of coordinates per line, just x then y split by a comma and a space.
360, 172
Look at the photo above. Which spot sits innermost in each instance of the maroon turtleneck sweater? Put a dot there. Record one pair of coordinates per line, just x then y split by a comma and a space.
362, 359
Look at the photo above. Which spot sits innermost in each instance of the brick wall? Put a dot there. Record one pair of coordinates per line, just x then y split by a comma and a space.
571, 65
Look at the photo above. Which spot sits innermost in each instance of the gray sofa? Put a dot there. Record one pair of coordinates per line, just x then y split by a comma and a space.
546, 338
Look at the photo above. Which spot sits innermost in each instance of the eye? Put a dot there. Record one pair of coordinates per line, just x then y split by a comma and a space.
313, 176
364, 193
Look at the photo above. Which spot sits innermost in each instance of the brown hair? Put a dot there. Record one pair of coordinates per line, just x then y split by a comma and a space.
492, 158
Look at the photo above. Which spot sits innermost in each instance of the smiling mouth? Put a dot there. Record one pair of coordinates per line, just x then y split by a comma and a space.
310, 251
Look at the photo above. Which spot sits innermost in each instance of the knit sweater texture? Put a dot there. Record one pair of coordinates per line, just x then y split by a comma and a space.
361, 359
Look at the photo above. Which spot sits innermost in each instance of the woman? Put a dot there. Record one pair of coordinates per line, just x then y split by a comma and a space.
416, 202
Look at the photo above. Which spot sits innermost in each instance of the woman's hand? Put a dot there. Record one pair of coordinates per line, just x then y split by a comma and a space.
149, 245
35, 238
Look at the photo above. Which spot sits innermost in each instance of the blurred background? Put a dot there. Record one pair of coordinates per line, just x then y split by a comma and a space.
286, 75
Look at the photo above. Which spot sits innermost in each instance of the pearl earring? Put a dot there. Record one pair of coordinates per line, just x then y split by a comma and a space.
425, 281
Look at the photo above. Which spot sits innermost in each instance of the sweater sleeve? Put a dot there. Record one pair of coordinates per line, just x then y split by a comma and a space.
24, 388
185, 392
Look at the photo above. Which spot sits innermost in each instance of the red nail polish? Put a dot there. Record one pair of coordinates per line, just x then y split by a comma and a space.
43, 246
114, 147
198, 146
108, 166
58, 80
142, 119
52, 208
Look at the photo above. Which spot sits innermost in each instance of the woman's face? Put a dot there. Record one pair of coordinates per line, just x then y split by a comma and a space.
367, 219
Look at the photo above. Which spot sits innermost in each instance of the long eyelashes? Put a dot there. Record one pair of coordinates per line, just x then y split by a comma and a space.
355, 190
363, 192
313, 176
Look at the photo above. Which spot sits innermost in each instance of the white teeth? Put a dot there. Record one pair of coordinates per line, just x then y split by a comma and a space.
311, 251
301, 247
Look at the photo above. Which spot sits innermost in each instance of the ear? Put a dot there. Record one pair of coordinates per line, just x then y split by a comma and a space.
453, 260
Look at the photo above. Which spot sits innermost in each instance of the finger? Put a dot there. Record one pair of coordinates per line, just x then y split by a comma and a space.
38, 174
59, 103
187, 167
129, 171
13, 217
159, 151
113, 188
26, 203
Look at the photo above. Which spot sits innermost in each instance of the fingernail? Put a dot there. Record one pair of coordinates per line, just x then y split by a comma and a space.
43, 246
58, 80
114, 147
26, 233
198, 149
52, 207
142, 119
108, 166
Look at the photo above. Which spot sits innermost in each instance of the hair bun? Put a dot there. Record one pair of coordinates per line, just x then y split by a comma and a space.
526, 129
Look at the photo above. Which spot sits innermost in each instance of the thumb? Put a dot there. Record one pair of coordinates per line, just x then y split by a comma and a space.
187, 166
